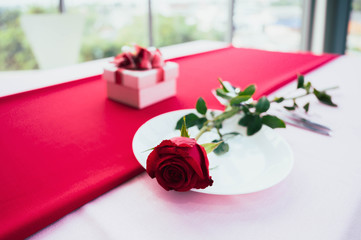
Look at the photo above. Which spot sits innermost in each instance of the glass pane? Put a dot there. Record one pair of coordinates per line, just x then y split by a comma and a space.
34, 35
178, 21
268, 24
353, 45
15, 51
109, 25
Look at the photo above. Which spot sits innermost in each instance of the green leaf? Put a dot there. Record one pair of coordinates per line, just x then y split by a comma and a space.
324, 97
248, 91
239, 99
245, 120
227, 86
184, 131
200, 122
294, 103
306, 107
300, 81
218, 124
191, 120
278, 99
223, 94
262, 105
254, 125
223, 85
222, 148
273, 121
308, 87
231, 133
209, 147
252, 122
290, 108
245, 109
150, 149
201, 106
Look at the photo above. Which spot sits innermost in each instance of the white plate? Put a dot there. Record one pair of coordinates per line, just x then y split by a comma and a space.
253, 163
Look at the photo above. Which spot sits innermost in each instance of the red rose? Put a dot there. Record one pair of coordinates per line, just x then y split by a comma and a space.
179, 164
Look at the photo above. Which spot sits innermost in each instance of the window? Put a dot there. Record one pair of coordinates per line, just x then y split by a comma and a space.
109, 25
103, 27
15, 51
188, 20
354, 29
268, 24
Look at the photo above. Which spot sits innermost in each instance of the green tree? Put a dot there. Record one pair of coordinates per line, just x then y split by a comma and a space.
96, 46
101, 38
356, 5
15, 52
175, 29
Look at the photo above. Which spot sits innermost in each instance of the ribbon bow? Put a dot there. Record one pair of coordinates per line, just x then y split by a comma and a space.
140, 59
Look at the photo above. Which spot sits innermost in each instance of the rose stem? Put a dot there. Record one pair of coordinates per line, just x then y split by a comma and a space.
204, 129
223, 116
308, 93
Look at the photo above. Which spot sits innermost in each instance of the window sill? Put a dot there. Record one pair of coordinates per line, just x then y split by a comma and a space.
13, 82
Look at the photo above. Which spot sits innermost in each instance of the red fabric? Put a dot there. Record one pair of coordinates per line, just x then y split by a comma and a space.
62, 146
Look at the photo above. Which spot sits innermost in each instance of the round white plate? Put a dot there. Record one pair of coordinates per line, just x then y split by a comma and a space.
253, 163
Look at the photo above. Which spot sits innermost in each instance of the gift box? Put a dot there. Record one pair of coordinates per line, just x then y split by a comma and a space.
141, 88
140, 78
142, 97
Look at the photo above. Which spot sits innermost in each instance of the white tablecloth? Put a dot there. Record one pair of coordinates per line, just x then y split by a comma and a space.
320, 199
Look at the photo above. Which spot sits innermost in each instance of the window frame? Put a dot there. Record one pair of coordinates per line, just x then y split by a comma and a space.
13, 82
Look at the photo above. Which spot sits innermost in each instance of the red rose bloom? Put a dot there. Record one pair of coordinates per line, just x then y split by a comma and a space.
179, 164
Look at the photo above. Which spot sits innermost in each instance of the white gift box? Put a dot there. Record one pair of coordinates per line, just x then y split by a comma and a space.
143, 97
110, 72
140, 78
141, 88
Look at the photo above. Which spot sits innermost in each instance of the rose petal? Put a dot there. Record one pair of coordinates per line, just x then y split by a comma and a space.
163, 178
205, 163
165, 151
203, 183
179, 164
161, 181
175, 176
156, 161
183, 141
152, 163
195, 159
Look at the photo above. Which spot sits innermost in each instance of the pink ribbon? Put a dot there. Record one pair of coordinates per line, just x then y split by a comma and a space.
142, 59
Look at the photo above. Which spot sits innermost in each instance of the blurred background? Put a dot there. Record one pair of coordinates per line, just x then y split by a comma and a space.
34, 31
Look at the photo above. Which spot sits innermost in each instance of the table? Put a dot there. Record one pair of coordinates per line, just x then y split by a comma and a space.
319, 200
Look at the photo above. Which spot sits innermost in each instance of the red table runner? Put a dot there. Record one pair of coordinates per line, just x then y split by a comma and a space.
64, 145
